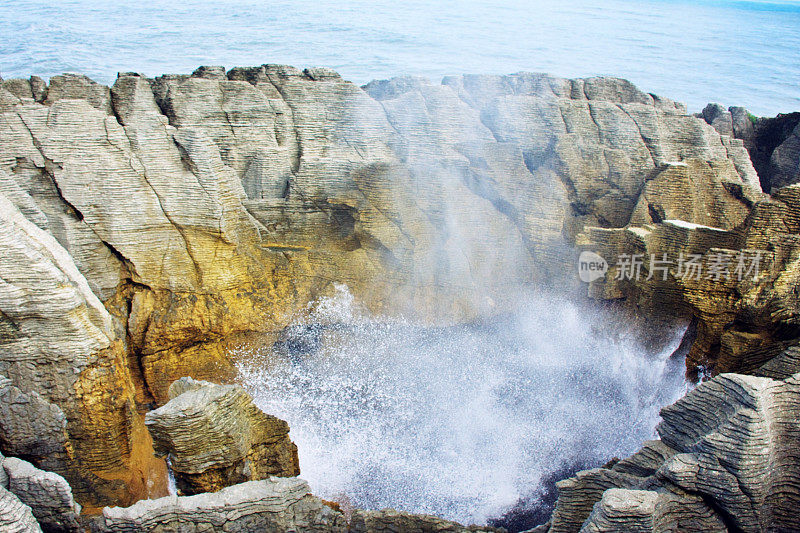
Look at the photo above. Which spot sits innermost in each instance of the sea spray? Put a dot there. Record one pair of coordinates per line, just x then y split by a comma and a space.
460, 421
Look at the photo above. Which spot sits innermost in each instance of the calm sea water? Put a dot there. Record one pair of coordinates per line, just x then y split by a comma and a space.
732, 52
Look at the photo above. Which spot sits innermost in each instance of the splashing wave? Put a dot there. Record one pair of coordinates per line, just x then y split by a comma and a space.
461, 421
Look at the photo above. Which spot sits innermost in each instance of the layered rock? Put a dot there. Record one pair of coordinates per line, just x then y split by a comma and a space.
644, 511
15, 516
205, 210
784, 161
389, 520
68, 402
727, 460
46, 493
742, 294
277, 504
215, 436
773, 143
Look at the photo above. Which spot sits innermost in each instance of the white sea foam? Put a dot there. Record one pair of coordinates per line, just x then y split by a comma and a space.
462, 421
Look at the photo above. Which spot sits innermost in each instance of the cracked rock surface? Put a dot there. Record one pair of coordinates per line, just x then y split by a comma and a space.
151, 228
276, 504
727, 460
215, 437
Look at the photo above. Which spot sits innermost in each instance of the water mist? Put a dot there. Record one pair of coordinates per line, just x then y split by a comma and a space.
463, 421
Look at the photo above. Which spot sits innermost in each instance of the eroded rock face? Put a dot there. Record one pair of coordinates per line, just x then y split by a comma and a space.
15, 516
785, 160
746, 311
644, 511
46, 493
727, 460
389, 520
276, 504
773, 143
196, 213
68, 403
215, 436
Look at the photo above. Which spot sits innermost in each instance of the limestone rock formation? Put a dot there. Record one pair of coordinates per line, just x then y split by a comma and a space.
215, 436
68, 402
644, 511
15, 516
389, 520
773, 143
31, 426
727, 460
785, 160
276, 504
155, 225
46, 493
741, 292
719, 118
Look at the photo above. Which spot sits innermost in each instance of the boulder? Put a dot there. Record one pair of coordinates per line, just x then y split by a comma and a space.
46, 493
215, 436
276, 504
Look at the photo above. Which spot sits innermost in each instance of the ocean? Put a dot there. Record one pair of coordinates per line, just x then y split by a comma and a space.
731, 52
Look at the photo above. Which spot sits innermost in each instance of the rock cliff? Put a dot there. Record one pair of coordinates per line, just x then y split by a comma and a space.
727, 461
150, 227
773, 143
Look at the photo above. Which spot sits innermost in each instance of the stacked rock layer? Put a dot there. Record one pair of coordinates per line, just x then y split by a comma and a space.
150, 227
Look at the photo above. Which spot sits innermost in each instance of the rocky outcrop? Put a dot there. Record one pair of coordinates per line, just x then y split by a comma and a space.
389, 520
727, 460
277, 504
30, 425
15, 516
647, 511
215, 436
155, 225
773, 143
46, 493
785, 160
68, 402
740, 291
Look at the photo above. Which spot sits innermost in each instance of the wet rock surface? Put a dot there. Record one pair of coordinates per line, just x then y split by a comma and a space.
727, 461
149, 228
216, 437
